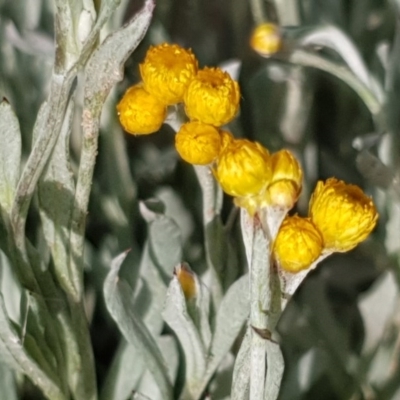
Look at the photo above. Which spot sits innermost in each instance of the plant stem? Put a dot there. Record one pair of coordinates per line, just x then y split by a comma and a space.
212, 203
265, 309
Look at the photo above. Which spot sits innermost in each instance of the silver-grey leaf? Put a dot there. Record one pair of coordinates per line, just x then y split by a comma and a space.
10, 154
177, 317
118, 298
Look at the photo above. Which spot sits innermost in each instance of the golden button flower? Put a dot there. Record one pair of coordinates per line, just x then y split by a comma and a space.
212, 97
266, 39
167, 71
343, 213
243, 168
198, 143
298, 244
139, 112
286, 180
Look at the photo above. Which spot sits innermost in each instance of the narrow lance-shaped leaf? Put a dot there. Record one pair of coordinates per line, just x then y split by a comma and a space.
10, 154
103, 70
165, 243
25, 364
56, 198
334, 38
231, 316
118, 298
177, 317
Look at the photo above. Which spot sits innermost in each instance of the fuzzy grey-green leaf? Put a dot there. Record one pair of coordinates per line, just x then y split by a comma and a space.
104, 68
165, 243
56, 200
176, 316
25, 364
10, 154
232, 314
118, 298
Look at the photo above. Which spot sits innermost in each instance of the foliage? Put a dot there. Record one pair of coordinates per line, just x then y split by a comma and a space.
94, 221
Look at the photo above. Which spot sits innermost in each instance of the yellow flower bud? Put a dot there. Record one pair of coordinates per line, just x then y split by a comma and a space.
167, 71
243, 168
212, 97
298, 244
187, 280
266, 39
139, 112
286, 180
343, 213
198, 143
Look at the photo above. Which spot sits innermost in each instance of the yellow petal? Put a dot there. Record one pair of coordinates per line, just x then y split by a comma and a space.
167, 71
343, 213
297, 245
212, 97
243, 168
198, 143
286, 181
139, 112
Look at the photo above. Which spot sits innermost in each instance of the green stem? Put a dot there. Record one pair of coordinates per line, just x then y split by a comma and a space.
212, 203
265, 309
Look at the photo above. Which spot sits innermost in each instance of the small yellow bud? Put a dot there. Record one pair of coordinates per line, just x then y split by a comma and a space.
212, 97
198, 143
266, 39
243, 168
167, 71
187, 280
286, 180
139, 112
343, 213
297, 245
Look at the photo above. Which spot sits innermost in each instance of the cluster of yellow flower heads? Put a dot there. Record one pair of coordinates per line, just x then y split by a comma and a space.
340, 215
170, 75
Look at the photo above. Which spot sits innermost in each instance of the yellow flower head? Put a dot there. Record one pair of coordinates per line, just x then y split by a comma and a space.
286, 180
212, 97
266, 39
139, 112
243, 168
298, 244
198, 143
187, 280
167, 71
343, 213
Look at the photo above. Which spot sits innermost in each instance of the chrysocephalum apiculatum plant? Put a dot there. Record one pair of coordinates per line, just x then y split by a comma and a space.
281, 249
180, 329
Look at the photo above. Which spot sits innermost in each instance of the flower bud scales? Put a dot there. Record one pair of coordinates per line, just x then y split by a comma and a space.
167, 71
198, 143
139, 112
298, 244
243, 168
212, 97
343, 213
